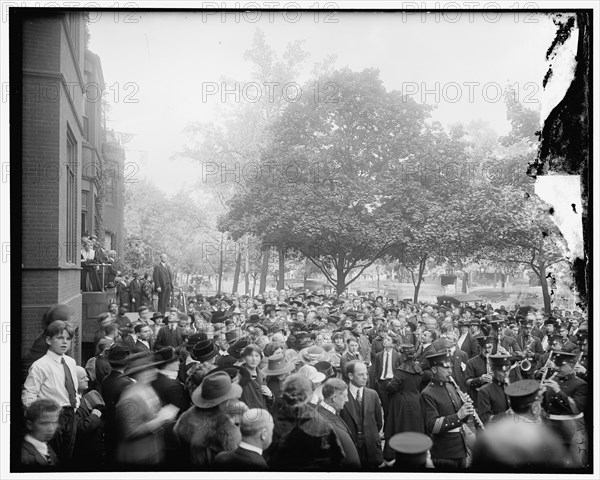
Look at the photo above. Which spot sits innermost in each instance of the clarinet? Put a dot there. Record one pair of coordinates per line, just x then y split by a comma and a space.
465, 398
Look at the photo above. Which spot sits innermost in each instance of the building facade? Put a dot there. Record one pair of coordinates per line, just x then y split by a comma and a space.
64, 171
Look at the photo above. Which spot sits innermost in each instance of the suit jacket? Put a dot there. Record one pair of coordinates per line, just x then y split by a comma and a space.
240, 460
371, 425
162, 277
171, 391
112, 388
31, 459
377, 367
139, 347
470, 346
348, 357
351, 460
167, 337
459, 366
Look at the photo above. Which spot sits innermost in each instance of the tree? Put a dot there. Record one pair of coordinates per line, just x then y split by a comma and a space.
332, 163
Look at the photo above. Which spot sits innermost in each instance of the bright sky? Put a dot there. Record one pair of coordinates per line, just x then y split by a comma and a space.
164, 60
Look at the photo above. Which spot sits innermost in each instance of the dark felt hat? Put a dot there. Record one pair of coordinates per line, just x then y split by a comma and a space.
239, 375
194, 338
204, 350
118, 355
214, 390
236, 349
326, 368
165, 356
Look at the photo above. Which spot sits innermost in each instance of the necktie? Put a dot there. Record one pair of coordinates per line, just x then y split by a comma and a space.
385, 365
49, 459
69, 383
359, 398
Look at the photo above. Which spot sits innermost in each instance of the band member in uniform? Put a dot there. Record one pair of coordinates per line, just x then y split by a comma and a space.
445, 414
530, 345
524, 399
491, 399
554, 346
564, 401
519, 441
478, 371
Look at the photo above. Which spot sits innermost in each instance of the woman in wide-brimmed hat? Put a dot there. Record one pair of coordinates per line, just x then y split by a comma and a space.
211, 425
277, 370
141, 416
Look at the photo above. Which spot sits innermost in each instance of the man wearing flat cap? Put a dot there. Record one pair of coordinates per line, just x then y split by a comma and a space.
445, 415
564, 403
491, 399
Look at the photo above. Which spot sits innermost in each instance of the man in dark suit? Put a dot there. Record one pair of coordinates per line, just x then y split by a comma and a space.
257, 434
168, 389
466, 342
382, 370
352, 353
458, 358
135, 293
163, 283
169, 335
335, 396
112, 388
144, 338
363, 415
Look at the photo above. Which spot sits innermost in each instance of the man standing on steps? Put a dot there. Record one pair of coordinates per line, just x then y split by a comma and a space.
163, 283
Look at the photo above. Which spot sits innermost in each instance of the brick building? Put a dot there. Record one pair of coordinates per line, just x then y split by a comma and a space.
65, 191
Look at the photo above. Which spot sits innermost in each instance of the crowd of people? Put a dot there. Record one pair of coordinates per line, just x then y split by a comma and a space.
290, 381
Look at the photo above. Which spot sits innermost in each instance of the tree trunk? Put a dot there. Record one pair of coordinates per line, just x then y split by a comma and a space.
495, 279
220, 282
264, 269
280, 277
246, 271
341, 278
544, 285
417, 284
465, 282
253, 285
236, 275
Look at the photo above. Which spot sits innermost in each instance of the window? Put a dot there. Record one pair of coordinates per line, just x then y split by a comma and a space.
71, 231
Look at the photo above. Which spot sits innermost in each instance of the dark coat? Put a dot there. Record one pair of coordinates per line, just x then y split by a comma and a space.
31, 459
491, 402
167, 337
89, 443
112, 388
103, 369
377, 367
459, 367
204, 433
240, 460
303, 440
135, 293
351, 459
171, 392
139, 347
162, 277
372, 423
404, 413
470, 346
